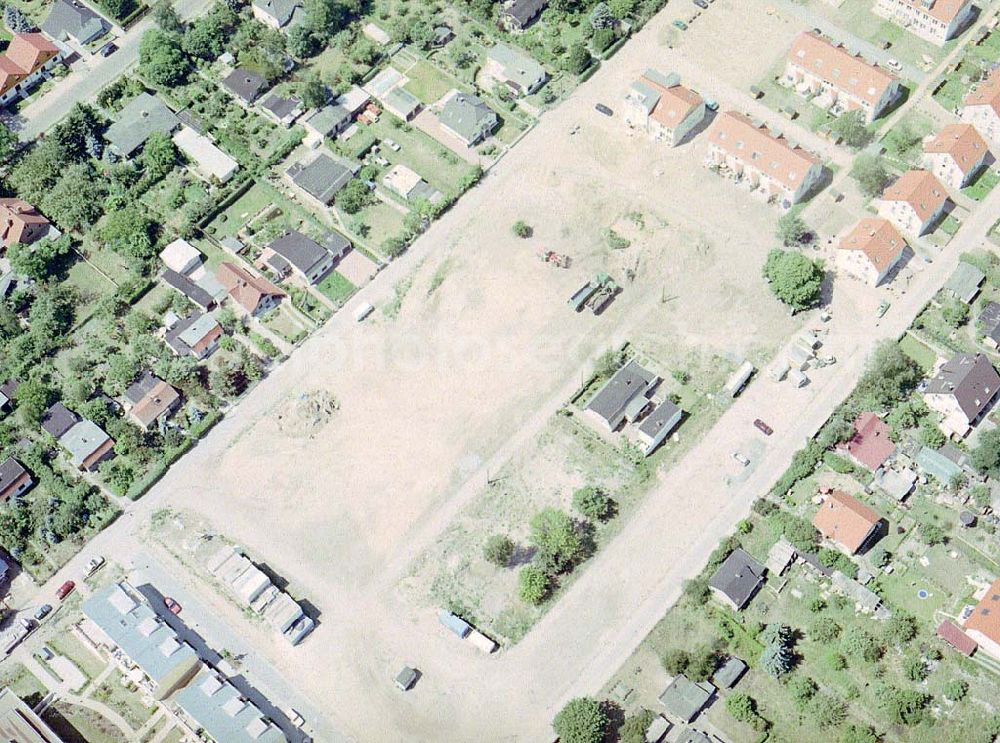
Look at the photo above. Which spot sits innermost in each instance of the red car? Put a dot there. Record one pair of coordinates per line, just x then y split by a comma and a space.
763, 427
65, 590
172, 606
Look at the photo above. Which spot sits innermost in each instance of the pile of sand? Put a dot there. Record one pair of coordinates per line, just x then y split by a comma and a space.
305, 414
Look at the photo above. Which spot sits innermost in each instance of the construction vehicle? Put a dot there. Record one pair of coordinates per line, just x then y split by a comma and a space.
554, 259
595, 294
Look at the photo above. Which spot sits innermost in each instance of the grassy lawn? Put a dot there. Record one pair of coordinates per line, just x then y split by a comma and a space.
124, 700
336, 288
949, 225
918, 351
375, 223
22, 682
983, 184
66, 644
285, 325
248, 205
427, 82
74, 723
781, 99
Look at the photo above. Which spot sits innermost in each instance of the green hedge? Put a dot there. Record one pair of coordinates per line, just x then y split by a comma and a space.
144, 483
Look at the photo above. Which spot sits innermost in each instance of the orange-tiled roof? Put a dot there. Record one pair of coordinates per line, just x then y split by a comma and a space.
845, 520
245, 288
15, 217
157, 401
942, 10
962, 142
10, 74
952, 634
921, 190
30, 51
987, 93
675, 104
870, 444
838, 67
985, 617
877, 239
773, 155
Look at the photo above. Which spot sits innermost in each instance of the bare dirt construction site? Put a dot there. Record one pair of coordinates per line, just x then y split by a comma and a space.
363, 450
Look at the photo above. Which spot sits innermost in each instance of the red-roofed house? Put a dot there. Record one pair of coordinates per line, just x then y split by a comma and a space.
20, 222
871, 250
768, 162
956, 154
936, 21
254, 294
983, 625
952, 634
840, 80
27, 59
915, 202
663, 107
847, 522
981, 107
870, 446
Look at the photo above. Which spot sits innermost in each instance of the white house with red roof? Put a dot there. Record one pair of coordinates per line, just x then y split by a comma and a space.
25, 62
915, 202
870, 446
663, 108
956, 154
839, 80
871, 250
981, 107
936, 21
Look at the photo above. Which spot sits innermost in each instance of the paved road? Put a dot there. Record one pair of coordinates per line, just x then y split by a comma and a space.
88, 78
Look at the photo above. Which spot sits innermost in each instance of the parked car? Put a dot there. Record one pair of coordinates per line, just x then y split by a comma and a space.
65, 590
172, 606
893, 64
601, 108
741, 458
93, 565
701, 4
381, 161
43, 611
678, 23
108, 49
46, 653
763, 427
391, 145
711, 104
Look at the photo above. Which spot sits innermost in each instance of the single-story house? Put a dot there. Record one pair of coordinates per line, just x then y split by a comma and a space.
729, 674
328, 121
245, 85
282, 110
407, 184
210, 162
737, 579
780, 556
149, 401
962, 392
656, 426
181, 256
937, 465
196, 335
684, 699
293, 251
58, 419
952, 634
321, 178
623, 397
467, 117
965, 282
87, 445
255, 294
442, 35
865, 600
515, 69
141, 117
847, 522
195, 293
870, 447
73, 22
988, 323
401, 103
14, 479
517, 15
895, 484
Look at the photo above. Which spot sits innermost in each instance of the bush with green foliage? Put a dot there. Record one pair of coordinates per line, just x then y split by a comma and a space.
533, 585
871, 174
824, 630
522, 229
498, 550
593, 503
955, 690
931, 534
582, 720
633, 730
859, 643
792, 230
852, 128
902, 706
794, 279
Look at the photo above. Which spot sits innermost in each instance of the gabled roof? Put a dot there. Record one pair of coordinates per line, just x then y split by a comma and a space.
327, 120
150, 397
10, 472
987, 93
738, 577
625, 385
194, 333
300, 251
280, 106
952, 634
985, 618
518, 67
280, 10
970, 379
870, 444
188, 288
224, 713
73, 19
664, 413
667, 101
16, 217
756, 147
844, 519
940, 10
965, 281
524, 11
246, 289
30, 51
684, 699
962, 143
921, 190
878, 239
83, 440
467, 116
140, 117
58, 419
840, 68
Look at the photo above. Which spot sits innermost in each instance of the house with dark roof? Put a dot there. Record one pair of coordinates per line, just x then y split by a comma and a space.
656, 426
737, 579
255, 294
965, 282
848, 523
870, 446
467, 117
624, 397
282, 110
275, 13
988, 323
195, 293
293, 252
320, 178
74, 23
141, 117
196, 335
58, 419
684, 699
14, 479
244, 85
517, 15
149, 401
962, 392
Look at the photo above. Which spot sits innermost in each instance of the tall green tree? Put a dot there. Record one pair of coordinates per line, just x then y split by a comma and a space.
795, 279
582, 720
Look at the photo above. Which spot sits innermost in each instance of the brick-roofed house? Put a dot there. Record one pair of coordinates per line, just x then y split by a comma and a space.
28, 58
662, 107
20, 222
956, 155
14, 479
196, 335
981, 107
840, 80
936, 21
623, 397
769, 162
983, 625
149, 400
915, 202
871, 250
294, 252
737, 579
952, 634
255, 294
517, 15
515, 69
962, 391
870, 446
847, 522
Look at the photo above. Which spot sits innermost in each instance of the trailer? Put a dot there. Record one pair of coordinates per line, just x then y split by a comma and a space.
581, 295
739, 379
481, 642
456, 624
